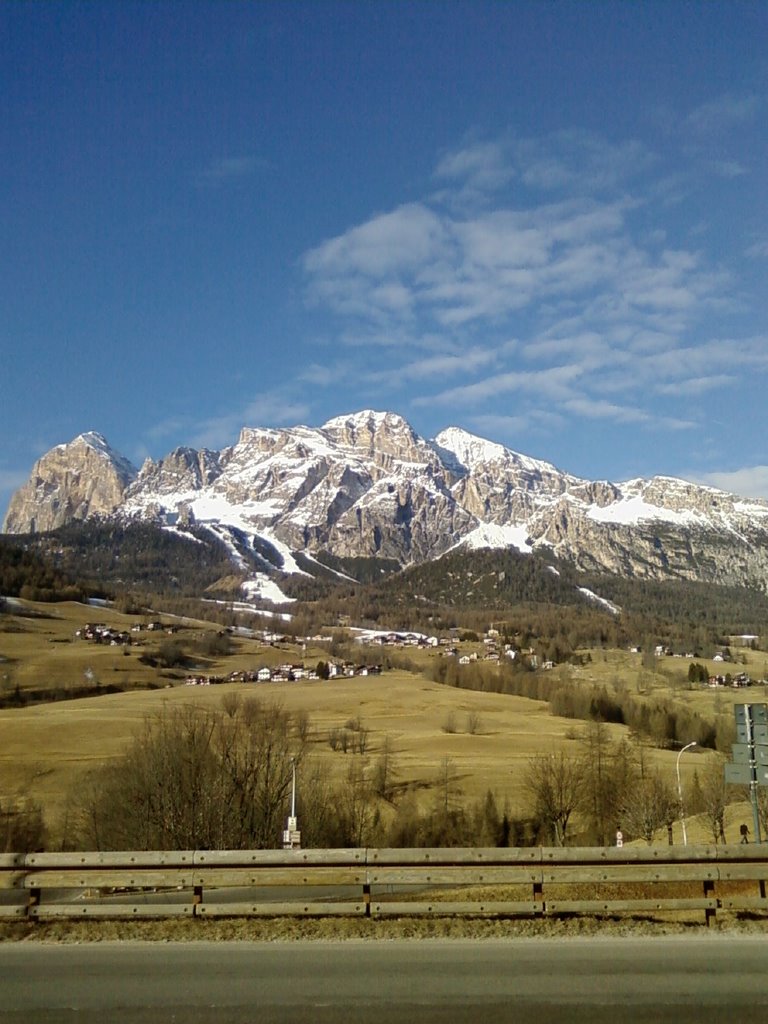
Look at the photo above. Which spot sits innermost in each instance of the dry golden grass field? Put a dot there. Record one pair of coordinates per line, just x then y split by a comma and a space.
46, 748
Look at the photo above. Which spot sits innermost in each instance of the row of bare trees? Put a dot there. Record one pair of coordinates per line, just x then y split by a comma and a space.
220, 778
609, 785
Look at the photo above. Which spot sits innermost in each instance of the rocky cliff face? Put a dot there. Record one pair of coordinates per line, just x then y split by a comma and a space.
368, 485
72, 481
183, 469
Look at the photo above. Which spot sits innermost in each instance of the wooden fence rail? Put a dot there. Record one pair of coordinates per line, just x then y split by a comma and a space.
377, 883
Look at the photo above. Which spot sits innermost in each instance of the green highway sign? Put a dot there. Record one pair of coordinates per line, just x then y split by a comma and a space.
750, 754
757, 734
740, 752
743, 753
738, 774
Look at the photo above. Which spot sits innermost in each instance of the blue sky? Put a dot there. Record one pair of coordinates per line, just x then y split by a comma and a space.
543, 222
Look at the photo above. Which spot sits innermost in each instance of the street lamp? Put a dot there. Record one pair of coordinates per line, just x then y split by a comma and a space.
291, 834
680, 790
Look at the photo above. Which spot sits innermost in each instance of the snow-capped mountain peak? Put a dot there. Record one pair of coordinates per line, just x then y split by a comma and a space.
471, 451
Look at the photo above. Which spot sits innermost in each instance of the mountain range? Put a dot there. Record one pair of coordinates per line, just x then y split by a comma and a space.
366, 485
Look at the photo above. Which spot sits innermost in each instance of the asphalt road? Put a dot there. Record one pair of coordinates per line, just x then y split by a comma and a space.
710, 979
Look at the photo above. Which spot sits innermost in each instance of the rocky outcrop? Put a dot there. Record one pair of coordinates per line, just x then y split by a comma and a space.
183, 469
367, 485
72, 481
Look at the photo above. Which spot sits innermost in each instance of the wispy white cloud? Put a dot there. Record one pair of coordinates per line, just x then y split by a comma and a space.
758, 250
568, 244
728, 168
723, 113
228, 169
749, 481
320, 374
580, 161
553, 383
506, 427
700, 360
168, 427
275, 408
599, 409
481, 166
697, 385
390, 243
439, 365
571, 160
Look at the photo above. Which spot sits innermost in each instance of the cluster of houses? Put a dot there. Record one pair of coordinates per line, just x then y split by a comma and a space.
742, 679
402, 640
101, 633
287, 673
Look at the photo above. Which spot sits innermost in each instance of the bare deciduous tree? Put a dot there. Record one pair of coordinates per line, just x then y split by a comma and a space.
608, 772
363, 736
713, 795
385, 771
21, 826
196, 779
554, 783
473, 722
648, 806
358, 811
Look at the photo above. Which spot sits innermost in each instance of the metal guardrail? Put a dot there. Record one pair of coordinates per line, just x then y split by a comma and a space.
514, 882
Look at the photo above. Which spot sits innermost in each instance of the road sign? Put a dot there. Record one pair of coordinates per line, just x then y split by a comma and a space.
762, 775
740, 752
291, 839
758, 713
757, 734
738, 774
743, 753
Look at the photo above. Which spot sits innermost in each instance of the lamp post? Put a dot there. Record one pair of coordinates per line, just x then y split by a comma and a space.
680, 790
291, 834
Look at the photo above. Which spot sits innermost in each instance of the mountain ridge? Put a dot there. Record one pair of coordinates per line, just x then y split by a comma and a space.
367, 485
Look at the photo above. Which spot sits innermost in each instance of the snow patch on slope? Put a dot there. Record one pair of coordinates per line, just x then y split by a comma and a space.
491, 535
591, 596
262, 588
633, 510
470, 451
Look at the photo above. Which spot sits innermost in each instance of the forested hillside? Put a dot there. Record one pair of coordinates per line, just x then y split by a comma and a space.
538, 598
115, 556
532, 597
29, 575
